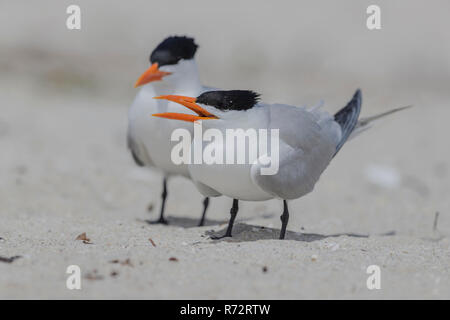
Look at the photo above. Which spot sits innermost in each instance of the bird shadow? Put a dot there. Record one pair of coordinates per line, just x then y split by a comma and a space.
186, 222
245, 233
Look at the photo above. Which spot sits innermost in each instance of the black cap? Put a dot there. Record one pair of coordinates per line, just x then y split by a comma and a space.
173, 49
229, 100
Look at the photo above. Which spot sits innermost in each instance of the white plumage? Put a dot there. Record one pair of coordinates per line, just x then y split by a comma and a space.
149, 138
308, 139
307, 143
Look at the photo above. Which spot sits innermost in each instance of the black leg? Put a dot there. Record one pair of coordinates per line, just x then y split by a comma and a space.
163, 197
233, 213
284, 219
205, 207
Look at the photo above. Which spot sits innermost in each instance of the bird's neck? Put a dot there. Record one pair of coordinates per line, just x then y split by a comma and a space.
188, 79
183, 80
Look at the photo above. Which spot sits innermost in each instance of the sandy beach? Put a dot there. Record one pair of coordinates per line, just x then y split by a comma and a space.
65, 168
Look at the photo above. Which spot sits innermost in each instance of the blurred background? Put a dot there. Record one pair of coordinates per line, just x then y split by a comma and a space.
300, 49
64, 97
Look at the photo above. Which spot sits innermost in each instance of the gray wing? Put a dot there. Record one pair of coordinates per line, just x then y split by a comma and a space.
205, 190
137, 151
307, 144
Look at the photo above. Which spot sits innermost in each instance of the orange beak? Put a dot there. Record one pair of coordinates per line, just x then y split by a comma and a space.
189, 103
151, 74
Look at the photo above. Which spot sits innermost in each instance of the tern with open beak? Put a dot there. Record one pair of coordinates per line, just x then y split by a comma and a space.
173, 69
308, 140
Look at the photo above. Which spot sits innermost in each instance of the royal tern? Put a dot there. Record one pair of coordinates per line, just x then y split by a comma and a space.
173, 69
308, 140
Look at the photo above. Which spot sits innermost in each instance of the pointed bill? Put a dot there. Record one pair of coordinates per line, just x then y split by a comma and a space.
151, 74
188, 102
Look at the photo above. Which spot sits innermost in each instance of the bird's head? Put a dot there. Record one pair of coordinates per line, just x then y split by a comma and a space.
172, 59
211, 105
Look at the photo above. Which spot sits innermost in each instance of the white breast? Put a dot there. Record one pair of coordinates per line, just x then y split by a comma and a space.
232, 180
152, 134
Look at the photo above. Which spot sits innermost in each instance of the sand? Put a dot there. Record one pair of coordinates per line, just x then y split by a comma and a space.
65, 169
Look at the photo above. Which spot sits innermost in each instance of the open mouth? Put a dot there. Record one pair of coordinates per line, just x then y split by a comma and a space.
189, 103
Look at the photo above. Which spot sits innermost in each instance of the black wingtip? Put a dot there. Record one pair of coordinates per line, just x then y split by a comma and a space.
348, 116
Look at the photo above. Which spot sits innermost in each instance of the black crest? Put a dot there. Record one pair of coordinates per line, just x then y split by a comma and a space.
229, 100
173, 49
